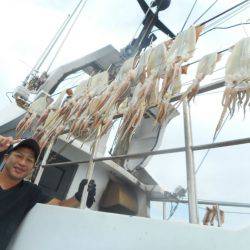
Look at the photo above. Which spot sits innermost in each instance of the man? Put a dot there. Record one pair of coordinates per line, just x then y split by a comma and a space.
17, 196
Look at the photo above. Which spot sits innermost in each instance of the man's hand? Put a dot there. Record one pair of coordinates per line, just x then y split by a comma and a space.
91, 192
74, 201
5, 142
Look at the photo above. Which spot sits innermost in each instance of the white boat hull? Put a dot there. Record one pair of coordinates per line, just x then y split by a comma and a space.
57, 228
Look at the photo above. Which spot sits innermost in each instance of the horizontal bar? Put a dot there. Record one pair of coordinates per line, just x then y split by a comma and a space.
205, 202
203, 89
222, 144
158, 152
138, 155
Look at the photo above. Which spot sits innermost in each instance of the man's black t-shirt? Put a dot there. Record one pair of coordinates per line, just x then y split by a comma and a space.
15, 203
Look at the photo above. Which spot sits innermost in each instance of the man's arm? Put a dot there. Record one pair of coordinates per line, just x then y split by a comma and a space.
75, 200
72, 202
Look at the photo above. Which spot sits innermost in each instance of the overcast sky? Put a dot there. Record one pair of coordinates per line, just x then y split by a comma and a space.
28, 25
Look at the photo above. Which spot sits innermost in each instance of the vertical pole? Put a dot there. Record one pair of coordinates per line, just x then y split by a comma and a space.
191, 182
45, 158
164, 210
218, 215
90, 168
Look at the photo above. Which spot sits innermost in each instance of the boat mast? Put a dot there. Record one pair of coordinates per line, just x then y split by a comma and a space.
146, 37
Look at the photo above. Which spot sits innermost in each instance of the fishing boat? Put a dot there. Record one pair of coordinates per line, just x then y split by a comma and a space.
109, 126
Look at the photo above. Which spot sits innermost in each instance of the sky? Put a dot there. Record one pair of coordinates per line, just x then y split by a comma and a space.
27, 26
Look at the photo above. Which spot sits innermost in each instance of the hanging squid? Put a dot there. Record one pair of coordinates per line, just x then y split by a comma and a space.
237, 79
205, 67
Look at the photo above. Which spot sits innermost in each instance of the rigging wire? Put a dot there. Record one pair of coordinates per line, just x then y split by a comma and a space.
212, 93
205, 156
236, 212
52, 44
197, 61
35, 68
73, 87
222, 51
187, 83
229, 212
227, 17
53, 41
184, 84
190, 13
225, 28
73, 77
7, 94
70, 17
205, 12
224, 12
141, 23
245, 31
151, 21
67, 34
172, 210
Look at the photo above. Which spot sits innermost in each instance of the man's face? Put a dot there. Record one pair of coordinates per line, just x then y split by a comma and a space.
19, 163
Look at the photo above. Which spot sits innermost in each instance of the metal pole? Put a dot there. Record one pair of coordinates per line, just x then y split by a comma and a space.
164, 210
90, 168
45, 158
204, 202
157, 152
191, 185
218, 215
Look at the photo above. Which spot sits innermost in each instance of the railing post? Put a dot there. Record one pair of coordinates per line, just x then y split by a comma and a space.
44, 161
218, 215
191, 182
90, 169
164, 210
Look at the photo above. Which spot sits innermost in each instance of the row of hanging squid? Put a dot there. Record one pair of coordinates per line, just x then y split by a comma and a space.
151, 79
